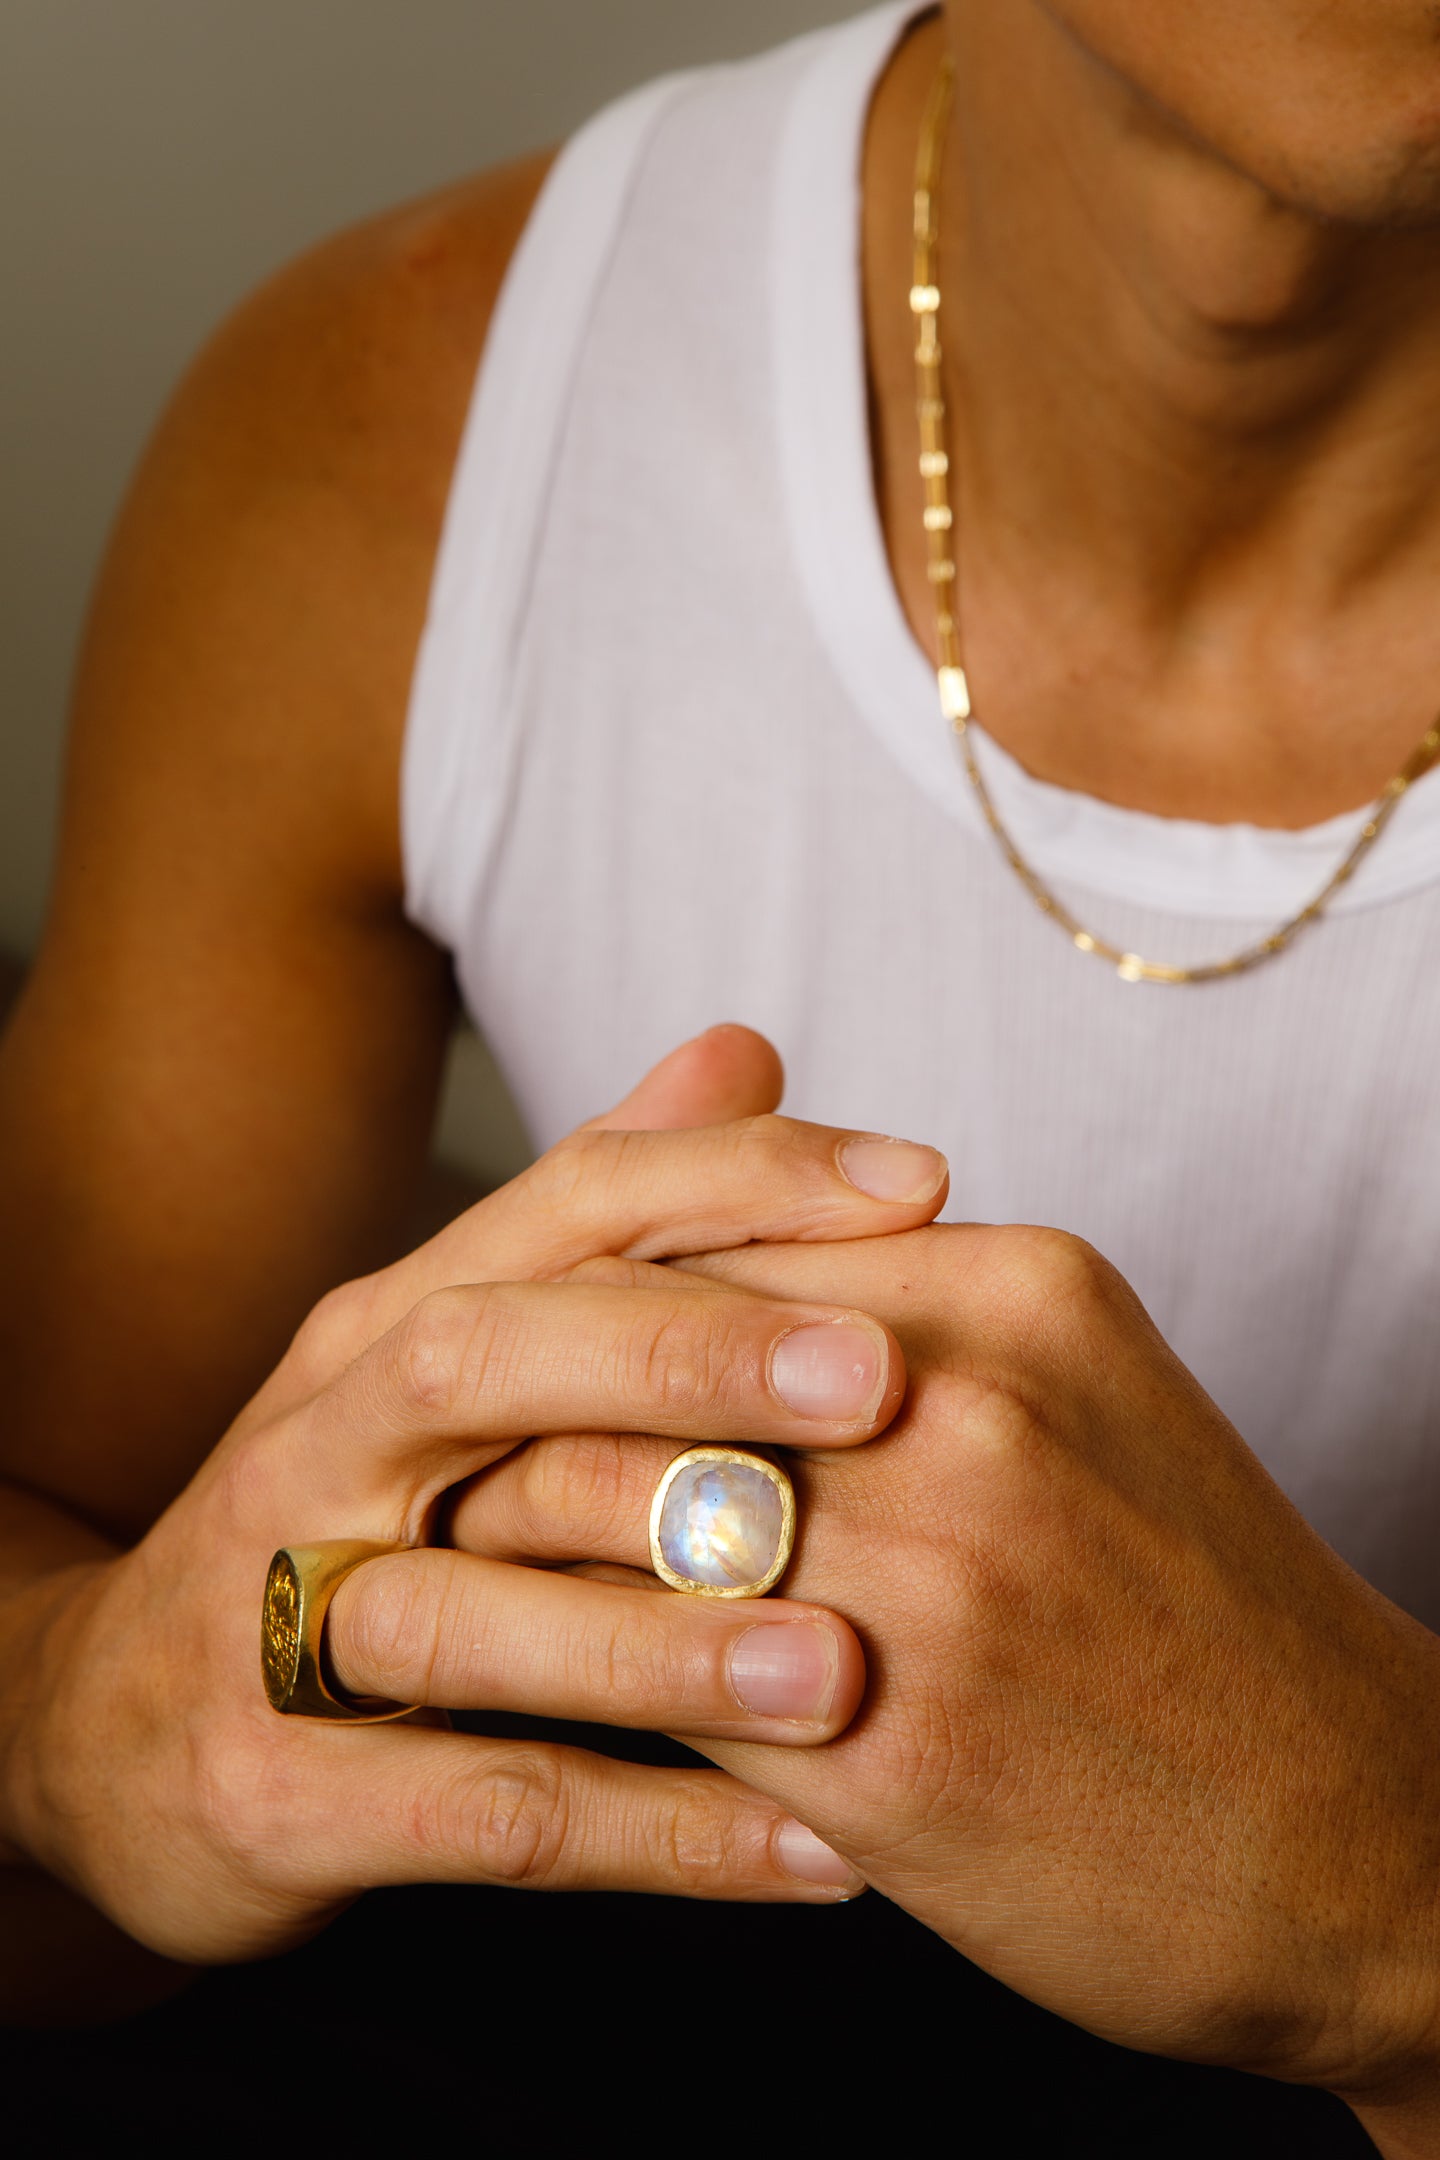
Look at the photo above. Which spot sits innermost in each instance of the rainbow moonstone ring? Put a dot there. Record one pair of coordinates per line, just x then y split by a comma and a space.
722, 1523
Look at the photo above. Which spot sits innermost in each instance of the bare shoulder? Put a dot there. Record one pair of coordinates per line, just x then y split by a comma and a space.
355, 363
276, 547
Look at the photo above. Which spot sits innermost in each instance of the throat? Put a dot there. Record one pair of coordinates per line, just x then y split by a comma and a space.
1193, 456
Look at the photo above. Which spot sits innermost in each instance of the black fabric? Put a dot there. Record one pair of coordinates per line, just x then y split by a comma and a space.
535, 2024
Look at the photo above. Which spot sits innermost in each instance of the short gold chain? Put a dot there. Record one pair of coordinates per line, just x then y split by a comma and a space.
944, 584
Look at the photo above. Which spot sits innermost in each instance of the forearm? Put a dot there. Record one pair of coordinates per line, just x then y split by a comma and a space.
37, 1539
61, 1961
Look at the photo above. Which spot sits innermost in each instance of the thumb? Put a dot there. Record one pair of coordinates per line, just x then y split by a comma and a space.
728, 1072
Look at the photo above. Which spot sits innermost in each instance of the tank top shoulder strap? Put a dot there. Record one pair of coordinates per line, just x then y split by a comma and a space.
674, 186
457, 752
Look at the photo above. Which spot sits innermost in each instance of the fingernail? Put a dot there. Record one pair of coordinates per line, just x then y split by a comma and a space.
787, 1670
895, 1170
811, 1860
828, 1372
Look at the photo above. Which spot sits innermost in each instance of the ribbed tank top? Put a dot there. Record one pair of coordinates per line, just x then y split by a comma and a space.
674, 756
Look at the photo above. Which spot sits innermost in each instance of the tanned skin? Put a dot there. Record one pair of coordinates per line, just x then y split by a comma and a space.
1193, 396
218, 1087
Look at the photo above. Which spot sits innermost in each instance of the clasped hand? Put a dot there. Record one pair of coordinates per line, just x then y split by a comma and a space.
145, 1767
1133, 1737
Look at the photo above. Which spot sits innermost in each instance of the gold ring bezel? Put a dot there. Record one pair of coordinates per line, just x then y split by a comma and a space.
298, 1589
783, 1486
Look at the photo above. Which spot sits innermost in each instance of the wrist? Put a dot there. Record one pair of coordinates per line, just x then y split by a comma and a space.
34, 1617
46, 1557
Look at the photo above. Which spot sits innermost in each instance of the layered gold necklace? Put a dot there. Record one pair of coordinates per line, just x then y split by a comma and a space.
944, 585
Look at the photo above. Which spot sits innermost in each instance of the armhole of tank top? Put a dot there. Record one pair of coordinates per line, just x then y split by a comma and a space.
460, 728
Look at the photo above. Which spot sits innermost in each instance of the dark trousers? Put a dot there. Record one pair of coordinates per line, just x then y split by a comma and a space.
535, 2024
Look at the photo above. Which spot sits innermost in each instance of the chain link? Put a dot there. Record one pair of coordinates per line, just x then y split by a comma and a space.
954, 688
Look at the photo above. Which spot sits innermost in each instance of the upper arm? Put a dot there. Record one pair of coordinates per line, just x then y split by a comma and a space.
219, 1083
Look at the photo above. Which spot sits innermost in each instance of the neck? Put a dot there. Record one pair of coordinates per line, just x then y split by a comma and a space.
1158, 313
1193, 430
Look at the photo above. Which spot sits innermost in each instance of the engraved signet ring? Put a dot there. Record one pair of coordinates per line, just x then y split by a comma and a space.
298, 1590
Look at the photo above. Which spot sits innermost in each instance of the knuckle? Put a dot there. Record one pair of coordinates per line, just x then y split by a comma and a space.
245, 1470
515, 1818
769, 1143
645, 1667
394, 1626
560, 1170
700, 1845
239, 1800
610, 1271
332, 1332
766, 1130
577, 1176
584, 1485
435, 1350
684, 1361
1002, 1422
1053, 1276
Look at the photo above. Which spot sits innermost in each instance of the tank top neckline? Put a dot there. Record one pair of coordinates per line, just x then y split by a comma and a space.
1181, 866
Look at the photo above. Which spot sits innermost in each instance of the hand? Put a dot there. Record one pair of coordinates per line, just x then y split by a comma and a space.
145, 1767
1136, 1740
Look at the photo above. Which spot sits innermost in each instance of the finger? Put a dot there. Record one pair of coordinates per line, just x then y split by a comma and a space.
910, 1284
655, 1195
728, 1072
472, 1370
664, 1195
460, 1633
439, 1807
578, 1497
621, 1273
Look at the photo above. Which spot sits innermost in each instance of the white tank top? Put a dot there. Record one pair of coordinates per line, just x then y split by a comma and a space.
674, 757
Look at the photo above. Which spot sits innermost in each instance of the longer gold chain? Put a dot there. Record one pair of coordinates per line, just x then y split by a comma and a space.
944, 583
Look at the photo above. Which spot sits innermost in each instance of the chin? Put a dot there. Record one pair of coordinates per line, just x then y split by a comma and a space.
1379, 170
1334, 110
1374, 189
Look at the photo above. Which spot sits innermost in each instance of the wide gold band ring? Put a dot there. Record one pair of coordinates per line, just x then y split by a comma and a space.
722, 1523
298, 1590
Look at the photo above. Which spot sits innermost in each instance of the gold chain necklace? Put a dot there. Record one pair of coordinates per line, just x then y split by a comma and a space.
950, 671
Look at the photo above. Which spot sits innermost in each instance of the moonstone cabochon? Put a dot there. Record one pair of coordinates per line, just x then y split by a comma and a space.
722, 1524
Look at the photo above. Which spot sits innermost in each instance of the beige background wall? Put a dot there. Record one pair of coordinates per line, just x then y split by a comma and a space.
157, 157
